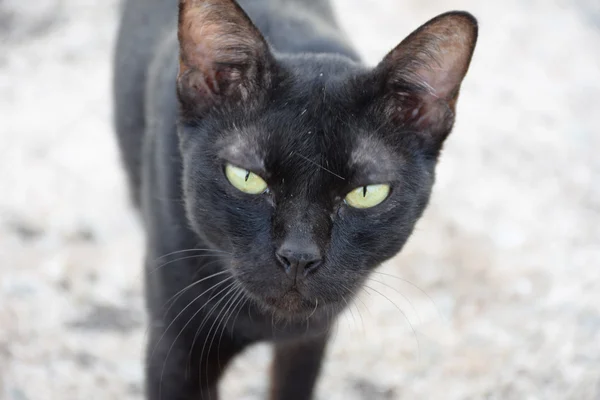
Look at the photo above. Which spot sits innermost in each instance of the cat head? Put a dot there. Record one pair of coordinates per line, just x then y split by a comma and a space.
311, 170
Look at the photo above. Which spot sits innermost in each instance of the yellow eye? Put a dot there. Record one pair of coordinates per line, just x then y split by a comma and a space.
245, 180
367, 196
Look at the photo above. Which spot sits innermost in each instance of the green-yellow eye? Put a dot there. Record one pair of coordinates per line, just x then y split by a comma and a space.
245, 180
367, 196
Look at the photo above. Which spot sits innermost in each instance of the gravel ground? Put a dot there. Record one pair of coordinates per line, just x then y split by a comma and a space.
500, 285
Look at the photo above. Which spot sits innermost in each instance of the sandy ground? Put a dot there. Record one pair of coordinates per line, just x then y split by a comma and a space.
506, 260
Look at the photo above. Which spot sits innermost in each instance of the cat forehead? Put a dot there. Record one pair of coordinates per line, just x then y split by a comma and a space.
371, 154
242, 147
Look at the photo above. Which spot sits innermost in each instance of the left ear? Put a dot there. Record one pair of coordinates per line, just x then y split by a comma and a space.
423, 74
224, 59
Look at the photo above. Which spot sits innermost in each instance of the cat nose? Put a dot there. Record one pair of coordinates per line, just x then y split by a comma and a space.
299, 260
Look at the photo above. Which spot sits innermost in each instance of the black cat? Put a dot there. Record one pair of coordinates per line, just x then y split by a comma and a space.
273, 172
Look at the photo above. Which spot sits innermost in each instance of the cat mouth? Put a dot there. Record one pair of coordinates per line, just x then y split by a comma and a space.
292, 302
287, 301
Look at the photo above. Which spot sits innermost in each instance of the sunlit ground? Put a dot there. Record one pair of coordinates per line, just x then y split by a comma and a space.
496, 296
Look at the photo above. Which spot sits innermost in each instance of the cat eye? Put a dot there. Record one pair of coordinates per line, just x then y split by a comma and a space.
244, 180
367, 196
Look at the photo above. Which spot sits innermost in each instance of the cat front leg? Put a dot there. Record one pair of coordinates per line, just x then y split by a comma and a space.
296, 367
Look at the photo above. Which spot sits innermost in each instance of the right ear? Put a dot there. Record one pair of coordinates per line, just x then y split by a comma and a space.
423, 75
223, 56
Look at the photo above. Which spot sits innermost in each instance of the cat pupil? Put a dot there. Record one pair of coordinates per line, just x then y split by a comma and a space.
364, 191
247, 176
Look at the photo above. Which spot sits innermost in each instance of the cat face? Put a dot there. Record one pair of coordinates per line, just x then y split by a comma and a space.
310, 170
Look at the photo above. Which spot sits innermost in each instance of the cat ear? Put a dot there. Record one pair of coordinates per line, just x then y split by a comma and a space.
423, 74
223, 56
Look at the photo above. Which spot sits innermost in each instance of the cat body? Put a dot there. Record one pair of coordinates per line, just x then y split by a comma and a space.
337, 162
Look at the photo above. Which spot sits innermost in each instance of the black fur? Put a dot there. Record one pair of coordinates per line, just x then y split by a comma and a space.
287, 98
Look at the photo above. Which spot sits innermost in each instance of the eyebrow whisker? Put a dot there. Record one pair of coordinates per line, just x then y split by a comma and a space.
318, 165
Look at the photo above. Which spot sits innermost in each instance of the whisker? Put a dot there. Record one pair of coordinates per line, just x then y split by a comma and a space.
407, 320
334, 325
183, 310
350, 310
201, 267
362, 322
185, 326
154, 270
205, 319
179, 293
237, 301
238, 313
223, 311
175, 297
313, 311
318, 165
416, 287
188, 250
210, 312
398, 292
363, 303
354, 296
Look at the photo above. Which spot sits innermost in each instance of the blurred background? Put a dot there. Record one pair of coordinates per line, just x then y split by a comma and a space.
496, 296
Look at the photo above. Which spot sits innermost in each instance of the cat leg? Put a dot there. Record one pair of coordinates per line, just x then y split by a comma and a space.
296, 367
174, 371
